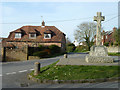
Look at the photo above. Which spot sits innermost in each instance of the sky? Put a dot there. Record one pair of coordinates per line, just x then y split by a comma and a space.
66, 16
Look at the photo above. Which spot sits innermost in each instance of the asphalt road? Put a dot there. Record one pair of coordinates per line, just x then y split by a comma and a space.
16, 72
14, 75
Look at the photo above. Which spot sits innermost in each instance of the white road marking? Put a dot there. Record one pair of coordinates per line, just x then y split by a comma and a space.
31, 69
10, 73
23, 71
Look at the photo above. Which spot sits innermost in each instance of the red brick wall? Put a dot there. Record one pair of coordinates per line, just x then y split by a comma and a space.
33, 44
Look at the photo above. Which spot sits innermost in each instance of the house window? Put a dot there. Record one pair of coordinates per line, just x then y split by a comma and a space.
0, 40
102, 43
102, 37
106, 37
17, 35
32, 35
47, 36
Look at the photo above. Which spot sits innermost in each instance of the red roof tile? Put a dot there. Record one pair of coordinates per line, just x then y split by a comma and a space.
57, 35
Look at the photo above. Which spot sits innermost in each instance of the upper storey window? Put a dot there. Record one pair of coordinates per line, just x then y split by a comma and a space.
47, 36
17, 35
32, 35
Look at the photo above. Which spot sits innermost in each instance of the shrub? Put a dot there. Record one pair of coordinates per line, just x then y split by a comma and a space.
81, 49
41, 54
54, 49
106, 44
111, 43
70, 44
41, 47
48, 51
115, 44
70, 47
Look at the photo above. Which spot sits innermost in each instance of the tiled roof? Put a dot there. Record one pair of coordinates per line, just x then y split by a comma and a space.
57, 35
48, 31
108, 32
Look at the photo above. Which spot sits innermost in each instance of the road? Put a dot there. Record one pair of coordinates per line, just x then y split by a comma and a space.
14, 75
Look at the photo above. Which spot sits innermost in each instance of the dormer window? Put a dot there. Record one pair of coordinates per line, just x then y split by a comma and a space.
18, 35
47, 36
32, 35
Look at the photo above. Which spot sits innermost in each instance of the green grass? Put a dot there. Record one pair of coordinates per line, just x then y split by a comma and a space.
68, 72
114, 54
55, 55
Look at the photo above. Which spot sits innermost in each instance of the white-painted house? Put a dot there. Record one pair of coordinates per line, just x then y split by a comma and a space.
77, 43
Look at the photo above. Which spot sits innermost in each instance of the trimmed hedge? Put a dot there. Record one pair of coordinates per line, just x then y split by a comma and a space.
45, 52
41, 54
54, 49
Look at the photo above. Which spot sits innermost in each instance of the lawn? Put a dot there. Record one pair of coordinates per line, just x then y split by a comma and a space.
68, 72
114, 54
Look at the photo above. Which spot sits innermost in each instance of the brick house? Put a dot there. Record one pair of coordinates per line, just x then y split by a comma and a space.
107, 37
33, 36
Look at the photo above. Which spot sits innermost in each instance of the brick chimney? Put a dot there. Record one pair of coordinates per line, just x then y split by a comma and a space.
43, 24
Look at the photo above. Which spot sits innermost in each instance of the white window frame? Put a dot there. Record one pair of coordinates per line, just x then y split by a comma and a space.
32, 37
106, 37
102, 37
48, 35
18, 35
102, 43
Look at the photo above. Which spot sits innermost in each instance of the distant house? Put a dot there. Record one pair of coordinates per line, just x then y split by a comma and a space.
1, 39
79, 43
33, 36
107, 37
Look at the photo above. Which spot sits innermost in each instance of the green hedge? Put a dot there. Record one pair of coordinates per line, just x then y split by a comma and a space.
81, 49
41, 54
54, 49
70, 47
49, 51
106, 44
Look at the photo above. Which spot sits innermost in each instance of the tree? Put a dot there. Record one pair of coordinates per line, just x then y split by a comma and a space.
116, 37
86, 32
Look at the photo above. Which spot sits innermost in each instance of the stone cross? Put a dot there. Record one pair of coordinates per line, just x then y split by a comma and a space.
98, 19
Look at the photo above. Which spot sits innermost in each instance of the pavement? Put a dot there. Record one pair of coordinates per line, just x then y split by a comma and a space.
79, 59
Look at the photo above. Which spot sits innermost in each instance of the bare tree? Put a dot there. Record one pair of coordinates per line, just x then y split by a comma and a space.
86, 32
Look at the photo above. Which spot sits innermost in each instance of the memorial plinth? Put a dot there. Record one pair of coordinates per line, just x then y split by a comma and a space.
98, 54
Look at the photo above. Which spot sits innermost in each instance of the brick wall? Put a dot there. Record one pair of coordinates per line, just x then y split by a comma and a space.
14, 54
21, 51
34, 44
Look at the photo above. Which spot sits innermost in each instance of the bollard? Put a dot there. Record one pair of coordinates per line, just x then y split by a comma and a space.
36, 68
65, 55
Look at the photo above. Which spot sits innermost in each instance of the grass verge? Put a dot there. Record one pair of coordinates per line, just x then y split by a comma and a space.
114, 54
74, 72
